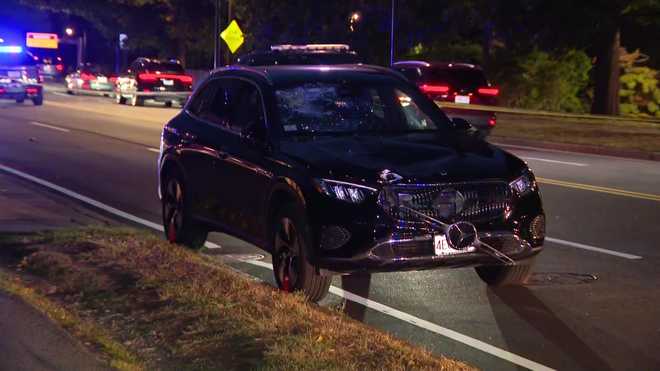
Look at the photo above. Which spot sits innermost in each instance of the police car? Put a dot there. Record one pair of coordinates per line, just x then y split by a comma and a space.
19, 75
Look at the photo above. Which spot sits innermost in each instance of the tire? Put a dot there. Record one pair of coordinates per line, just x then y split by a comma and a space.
20, 101
136, 101
38, 101
502, 275
168, 104
179, 226
291, 238
120, 99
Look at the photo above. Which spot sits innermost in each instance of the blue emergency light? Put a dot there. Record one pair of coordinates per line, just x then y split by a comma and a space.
13, 49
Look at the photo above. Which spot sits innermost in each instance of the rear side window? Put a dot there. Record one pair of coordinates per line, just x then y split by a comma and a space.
163, 67
457, 78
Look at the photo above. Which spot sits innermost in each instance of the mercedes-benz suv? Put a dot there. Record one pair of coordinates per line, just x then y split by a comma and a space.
344, 169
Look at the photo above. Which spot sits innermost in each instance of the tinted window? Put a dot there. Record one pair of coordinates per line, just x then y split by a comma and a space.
352, 107
457, 78
163, 67
411, 73
230, 103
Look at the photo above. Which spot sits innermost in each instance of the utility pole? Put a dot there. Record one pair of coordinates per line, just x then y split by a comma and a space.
217, 55
392, 35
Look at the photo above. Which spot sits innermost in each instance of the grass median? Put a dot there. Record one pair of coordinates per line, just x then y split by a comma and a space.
615, 134
146, 304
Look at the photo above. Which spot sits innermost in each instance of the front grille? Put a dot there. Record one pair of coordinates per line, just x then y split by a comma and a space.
451, 202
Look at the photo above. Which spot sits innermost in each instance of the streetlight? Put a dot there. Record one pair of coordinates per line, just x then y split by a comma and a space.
353, 20
69, 31
2, 40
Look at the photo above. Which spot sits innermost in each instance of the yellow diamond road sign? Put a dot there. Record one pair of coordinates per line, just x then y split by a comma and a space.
233, 36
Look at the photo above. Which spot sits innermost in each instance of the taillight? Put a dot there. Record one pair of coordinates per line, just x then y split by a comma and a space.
490, 91
87, 76
59, 67
148, 77
186, 79
435, 89
2, 91
31, 90
492, 122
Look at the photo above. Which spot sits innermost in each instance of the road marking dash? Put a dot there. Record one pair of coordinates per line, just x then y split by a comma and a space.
36, 123
153, 149
454, 335
554, 161
593, 248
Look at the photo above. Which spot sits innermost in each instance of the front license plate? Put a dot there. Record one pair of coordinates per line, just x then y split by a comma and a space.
442, 247
464, 99
168, 82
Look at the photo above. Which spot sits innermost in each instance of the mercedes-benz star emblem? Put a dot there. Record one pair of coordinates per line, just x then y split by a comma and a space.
461, 235
448, 203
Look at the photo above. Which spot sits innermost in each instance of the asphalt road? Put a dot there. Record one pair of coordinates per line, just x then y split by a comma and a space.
603, 215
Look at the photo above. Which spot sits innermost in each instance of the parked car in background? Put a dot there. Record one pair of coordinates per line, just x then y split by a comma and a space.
309, 54
459, 83
90, 79
344, 169
152, 79
51, 68
19, 76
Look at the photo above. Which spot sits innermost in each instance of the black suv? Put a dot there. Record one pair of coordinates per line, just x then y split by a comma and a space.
161, 81
461, 84
309, 54
344, 169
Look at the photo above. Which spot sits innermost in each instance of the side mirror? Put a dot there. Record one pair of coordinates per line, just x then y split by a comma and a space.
463, 125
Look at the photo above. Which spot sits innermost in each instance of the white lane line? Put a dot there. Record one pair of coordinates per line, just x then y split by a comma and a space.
457, 336
430, 326
36, 123
153, 149
593, 248
553, 161
61, 94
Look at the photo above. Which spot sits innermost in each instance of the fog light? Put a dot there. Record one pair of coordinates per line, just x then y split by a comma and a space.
334, 237
537, 228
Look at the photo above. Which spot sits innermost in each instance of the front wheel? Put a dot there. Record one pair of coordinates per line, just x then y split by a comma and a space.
291, 238
119, 98
178, 223
506, 275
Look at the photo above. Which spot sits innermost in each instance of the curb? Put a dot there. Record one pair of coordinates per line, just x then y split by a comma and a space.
578, 148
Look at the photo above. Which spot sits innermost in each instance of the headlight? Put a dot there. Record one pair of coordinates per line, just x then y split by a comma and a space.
524, 184
349, 192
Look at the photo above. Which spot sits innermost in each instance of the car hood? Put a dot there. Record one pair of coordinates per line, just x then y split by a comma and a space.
416, 157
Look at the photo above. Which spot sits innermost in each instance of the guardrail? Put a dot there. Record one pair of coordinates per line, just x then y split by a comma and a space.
516, 111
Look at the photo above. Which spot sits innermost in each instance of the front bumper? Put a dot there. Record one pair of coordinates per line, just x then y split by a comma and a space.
419, 253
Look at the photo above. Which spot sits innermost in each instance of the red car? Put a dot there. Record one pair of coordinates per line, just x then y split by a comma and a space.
161, 81
90, 79
459, 83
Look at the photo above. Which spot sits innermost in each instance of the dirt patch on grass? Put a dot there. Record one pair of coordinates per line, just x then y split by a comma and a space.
175, 309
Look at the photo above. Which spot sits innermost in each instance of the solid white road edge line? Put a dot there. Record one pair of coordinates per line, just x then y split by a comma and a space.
593, 248
153, 149
457, 336
553, 161
36, 123
430, 326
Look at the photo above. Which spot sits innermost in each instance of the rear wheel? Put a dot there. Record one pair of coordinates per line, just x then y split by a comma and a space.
178, 223
136, 101
120, 99
291, 238
506, 275
168, 104
37, 101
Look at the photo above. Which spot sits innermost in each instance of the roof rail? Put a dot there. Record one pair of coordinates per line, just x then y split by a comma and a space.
421, 63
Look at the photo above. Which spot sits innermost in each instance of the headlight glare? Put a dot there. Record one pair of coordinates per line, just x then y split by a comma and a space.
348, 192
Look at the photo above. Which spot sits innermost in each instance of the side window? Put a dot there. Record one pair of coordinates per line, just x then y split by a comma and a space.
203, 98
410, 73
248, 108
414, 117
